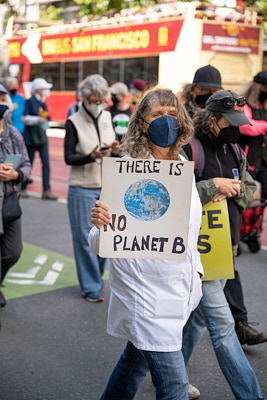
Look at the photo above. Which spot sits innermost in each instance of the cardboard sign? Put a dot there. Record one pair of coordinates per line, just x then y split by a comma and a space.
214, 242
149, 201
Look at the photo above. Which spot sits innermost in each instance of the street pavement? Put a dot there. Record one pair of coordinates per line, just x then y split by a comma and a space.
53, 342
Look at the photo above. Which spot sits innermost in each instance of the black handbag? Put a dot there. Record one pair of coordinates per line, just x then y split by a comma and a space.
11, 208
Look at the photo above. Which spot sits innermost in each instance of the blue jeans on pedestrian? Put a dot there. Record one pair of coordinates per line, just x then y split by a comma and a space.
167, 370
214, 313
90, 267
43, 151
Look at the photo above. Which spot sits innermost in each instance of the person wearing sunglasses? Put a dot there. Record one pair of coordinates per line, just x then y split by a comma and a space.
253, 137
224, 176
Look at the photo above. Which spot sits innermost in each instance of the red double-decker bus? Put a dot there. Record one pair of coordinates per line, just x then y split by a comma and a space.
162, 49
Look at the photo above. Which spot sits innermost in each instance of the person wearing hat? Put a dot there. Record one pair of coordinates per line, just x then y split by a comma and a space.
12, 144
137, 89
35, 118
224, 176
121, 110
207, 80
253, 137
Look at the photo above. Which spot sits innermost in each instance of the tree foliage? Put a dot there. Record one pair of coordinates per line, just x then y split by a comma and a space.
102, 7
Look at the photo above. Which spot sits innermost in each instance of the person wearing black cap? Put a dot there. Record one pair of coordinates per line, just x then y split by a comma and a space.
224, 176
207, 76
207, 80
254, 138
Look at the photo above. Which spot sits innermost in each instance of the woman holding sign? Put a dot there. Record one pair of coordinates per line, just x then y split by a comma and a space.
151, 299
222, 175
12, 151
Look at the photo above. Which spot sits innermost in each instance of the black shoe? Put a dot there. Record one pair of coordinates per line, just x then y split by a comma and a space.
2, 300
248, 335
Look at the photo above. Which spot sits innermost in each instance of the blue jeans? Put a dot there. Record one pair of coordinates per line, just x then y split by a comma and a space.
214, 313
167, 370
90, 267
43, 151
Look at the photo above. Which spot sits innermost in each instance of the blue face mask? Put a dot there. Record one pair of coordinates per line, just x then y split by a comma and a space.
3, 110
163, 131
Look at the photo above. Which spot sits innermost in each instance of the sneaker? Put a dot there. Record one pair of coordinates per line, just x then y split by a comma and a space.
48, 195
94, 297
248, 335
2, 299
24, 194
193, 392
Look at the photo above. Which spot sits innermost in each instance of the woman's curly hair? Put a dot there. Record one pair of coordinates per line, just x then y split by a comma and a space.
202, 119
136, 143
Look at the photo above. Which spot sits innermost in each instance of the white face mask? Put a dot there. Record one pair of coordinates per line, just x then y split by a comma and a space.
46, 93
94, 109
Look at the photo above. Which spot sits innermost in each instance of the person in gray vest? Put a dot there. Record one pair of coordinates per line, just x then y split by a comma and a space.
89, 138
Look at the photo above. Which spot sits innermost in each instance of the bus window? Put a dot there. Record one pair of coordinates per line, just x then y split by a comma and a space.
111, 70
144, 68
152, 69
71, 75
89, 68
49, 71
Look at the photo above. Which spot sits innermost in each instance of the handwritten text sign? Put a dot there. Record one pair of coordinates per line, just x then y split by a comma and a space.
149, 201
214, 242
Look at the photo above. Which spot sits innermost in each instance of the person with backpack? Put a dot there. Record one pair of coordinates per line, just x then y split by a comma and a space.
223, 175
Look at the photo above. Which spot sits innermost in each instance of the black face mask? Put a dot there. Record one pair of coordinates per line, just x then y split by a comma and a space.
115, 100
201, 99
262, 96
3, 110
230, 134
13, 91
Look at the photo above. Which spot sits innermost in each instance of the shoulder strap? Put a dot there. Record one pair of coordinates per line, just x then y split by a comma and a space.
198, 154
237, 152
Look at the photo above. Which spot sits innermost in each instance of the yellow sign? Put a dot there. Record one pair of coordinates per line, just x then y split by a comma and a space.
214, 242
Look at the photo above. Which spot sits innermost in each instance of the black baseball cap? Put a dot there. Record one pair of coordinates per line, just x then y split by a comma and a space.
208, 76
230, 105
261, 78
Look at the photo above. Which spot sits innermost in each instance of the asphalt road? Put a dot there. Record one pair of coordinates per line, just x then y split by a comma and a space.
54, 344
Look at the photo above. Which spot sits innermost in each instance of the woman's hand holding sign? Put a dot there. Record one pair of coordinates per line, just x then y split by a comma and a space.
99, 214
227, 188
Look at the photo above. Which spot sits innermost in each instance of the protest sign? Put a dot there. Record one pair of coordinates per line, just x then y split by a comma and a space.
149, 201
214, 242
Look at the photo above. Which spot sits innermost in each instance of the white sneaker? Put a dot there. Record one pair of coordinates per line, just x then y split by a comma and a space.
193, 392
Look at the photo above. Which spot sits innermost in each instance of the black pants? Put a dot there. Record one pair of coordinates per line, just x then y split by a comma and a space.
10, 246
234, 295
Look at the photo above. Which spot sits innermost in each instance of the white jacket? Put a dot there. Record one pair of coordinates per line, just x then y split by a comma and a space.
151, 300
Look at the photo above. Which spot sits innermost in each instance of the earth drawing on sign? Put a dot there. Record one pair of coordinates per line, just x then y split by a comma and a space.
146, 200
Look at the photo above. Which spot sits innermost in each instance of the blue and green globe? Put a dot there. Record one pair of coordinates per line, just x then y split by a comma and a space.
146, 200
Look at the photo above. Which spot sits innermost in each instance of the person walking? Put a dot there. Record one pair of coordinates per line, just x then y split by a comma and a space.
121, 110
89, 137
206, 81
224, 176
35, 118
157, 130
18, 101
254, 137
11, 143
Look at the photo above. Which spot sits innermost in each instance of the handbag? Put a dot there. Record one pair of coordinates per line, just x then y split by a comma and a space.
11, 208
38, 133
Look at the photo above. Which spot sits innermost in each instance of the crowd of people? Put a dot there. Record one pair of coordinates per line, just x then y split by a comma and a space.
112, 120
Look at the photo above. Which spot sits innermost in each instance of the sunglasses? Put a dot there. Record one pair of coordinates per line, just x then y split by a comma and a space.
231, 101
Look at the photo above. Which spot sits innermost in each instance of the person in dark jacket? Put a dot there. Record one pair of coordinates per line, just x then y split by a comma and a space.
35, 118
11, 142
223, 177
207, 80
254, 137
